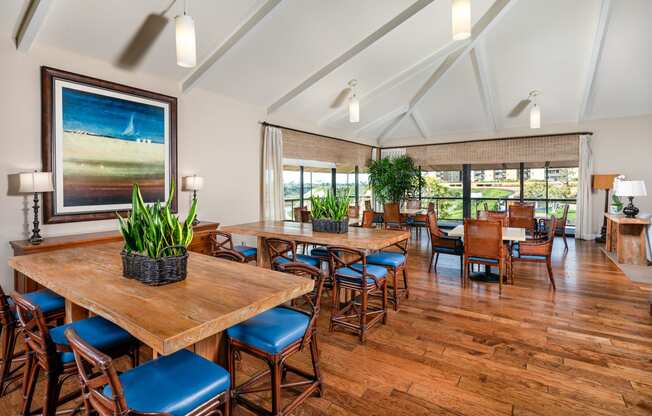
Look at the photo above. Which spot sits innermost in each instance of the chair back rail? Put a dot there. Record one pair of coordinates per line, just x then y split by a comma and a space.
501, 216
392, 213
35, 332
220, 240
522, 216
341, 257
278, 248
438, 238
483, 238
228, 254
541, 247
561, 221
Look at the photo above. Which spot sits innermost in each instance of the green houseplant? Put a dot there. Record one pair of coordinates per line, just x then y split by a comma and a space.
394, 179
330, 213
155, 240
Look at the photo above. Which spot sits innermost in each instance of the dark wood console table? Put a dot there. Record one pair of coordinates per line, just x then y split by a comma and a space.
22, 284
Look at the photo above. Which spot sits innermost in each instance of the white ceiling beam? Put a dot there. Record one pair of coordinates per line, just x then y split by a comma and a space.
405, 75
353, 51
596, 52
480, 68
382, 119
497, 10
240, 32
31, 23
421, 125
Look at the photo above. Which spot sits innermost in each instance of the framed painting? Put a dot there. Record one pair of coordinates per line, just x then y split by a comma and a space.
98, 139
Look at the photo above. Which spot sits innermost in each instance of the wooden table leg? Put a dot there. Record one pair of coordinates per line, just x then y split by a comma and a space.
262, 255
74, 312
213, 348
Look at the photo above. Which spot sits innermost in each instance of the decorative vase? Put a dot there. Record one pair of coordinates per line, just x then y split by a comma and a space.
330, 226
155, 272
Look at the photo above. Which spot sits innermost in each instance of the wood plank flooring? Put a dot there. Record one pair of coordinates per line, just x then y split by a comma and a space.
585, 349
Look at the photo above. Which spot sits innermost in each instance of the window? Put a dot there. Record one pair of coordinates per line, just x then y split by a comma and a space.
562, 189
316, 182
291, 189
345, 183
364, 190
535, 189
444, 189
493, 188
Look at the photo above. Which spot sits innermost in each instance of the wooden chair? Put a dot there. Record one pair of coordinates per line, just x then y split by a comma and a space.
392, 214
49, 351
301, 214
561, 226
221, 241
11, 362
179, 384
395, 262
522, 216
483, 244
352, 273
501, 216
368, 219
285, 251
539, 251
441, 243
274, 336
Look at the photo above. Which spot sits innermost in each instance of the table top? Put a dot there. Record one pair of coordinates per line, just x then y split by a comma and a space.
216, 295
622, 219
357, 237
509, 233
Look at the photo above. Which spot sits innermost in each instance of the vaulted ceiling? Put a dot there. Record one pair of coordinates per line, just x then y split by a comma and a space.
589, 58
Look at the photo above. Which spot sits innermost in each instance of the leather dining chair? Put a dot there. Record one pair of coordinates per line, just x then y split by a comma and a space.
538, 251
221, 241
11, 362
483, 244
440, 243
273, 337
173, 385
48, 351
522, 216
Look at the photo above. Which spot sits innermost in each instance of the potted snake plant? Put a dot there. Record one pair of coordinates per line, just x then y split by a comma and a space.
330, 213
155, 241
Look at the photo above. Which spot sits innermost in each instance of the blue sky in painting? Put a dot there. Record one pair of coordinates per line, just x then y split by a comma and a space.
112, 117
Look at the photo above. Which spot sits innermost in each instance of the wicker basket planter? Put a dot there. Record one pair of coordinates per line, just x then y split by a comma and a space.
330, 226
154, 272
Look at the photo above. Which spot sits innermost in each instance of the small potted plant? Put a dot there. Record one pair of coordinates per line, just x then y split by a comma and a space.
330, 213
155, 241
616, 205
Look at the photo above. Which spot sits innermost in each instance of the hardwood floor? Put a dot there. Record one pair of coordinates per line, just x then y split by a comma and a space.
585, 349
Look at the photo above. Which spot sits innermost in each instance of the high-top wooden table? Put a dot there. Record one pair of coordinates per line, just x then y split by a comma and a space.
368, 239
216, 295
626, 236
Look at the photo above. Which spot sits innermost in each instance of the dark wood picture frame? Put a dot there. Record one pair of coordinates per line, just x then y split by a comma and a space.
48, 76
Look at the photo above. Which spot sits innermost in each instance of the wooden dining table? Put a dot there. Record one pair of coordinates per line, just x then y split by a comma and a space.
192, 313
367, 239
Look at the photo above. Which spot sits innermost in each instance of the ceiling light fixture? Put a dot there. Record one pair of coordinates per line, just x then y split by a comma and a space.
185, 35
354, 103
461, 15
535, 111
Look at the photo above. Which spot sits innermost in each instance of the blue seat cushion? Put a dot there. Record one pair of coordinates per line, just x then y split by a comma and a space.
246, 250
484, 260
525, 257
45, 299
353, 274
174, 384
419, 223
319, 252
97, 331
313, 261
271, 331
386, 258
447, 250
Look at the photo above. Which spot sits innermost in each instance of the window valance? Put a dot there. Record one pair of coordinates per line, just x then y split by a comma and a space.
305, 146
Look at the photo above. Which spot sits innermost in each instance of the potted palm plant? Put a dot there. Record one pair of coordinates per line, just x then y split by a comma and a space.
330, 213
394, 179
155, 241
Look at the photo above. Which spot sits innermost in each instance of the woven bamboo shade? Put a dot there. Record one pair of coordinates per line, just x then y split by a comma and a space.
304, 146
560, 151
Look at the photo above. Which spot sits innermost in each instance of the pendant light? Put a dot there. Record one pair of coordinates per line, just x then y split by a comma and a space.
354, 104
185, 36
535, 111
461, 17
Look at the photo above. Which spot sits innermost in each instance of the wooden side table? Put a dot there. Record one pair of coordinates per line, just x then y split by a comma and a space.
626, 236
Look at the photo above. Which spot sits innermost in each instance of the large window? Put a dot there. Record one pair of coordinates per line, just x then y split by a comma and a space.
291, 189
444, 189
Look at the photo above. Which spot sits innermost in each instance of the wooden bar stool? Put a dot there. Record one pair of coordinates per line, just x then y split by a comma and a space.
274, 336
224, 241
285, 251
395, 262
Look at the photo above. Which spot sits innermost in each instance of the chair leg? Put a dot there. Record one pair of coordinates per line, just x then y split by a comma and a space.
335, 293
51, 394
384, 288
432, 256
275, 369
394, 290
314, 356
8, 345
436, 260
550, 276
461, 267
565, 242
500, 277
465, 275
363, 315
405, 282
29, 383
226, 406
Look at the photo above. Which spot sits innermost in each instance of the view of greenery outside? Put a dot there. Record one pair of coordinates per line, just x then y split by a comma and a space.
444, 184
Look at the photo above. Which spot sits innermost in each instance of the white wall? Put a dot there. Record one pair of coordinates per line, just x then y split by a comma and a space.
218, 138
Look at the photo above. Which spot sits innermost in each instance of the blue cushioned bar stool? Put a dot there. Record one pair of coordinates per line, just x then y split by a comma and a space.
282, 251
536, 251
11, 362
441, 243
275, 335
224, 241
352, 274
483, 244
177, 385
396, 262
48, 350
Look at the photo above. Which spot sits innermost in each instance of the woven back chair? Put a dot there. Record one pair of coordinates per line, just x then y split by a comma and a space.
501, 216
441, 243
483, 244
561, 225
538, 251
392, 214
522, 216
368, 219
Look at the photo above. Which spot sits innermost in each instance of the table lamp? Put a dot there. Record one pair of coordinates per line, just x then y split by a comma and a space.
630, 189
35, 182
603, 182
192, 183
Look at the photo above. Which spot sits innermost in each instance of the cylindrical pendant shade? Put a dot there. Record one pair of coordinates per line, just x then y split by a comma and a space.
535, 117
461, 15
354, 110
186, 45
35, 182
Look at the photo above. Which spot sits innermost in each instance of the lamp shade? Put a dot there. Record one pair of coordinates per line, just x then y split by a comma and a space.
630, 188
535, 117
192, 183
185, 37
461, 16
354, 110
35, 182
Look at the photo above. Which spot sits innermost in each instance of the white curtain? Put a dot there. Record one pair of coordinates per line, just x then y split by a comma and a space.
584, 223
273, 174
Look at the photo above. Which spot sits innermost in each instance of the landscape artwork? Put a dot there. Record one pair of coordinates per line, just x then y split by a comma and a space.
104, 142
